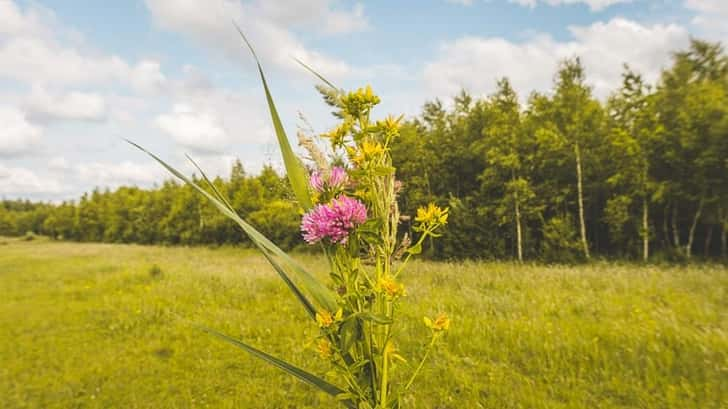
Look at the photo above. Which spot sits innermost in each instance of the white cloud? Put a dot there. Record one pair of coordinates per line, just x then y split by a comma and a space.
59, 163
711, 17
35, 49
474, 63
17, 181
267, 23
44, 106
37, 60
117, 174
199, 131
147, 77
316, 14
34, 21
17, 135
594, 5
208, 120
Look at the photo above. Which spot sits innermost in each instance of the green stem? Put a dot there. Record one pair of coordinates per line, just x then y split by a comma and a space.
422, 362
385, 359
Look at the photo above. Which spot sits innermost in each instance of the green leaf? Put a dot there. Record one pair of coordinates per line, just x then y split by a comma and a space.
297, 174
319, 76
318, 291
348, 334
299, 373
416, 249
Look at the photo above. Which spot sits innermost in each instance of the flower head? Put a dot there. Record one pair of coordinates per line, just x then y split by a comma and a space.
336, 179
367, 151
325, 319
316, 181
333, 221
432, 215
390, 287
439, 324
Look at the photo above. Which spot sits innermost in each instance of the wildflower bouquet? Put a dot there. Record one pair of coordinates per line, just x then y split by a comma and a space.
349, 198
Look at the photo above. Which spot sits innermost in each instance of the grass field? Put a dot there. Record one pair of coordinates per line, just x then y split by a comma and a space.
95, 326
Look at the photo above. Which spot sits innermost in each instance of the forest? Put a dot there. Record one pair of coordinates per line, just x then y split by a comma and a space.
558, 177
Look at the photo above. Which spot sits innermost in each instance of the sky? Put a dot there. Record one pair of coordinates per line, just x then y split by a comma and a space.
79, 76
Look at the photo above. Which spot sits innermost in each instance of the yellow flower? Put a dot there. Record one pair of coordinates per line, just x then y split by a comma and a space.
440, 323
371, 149
324, 348
360, 101
390, 125
432, 214
325, 319
367, 151
338, 134
391, 288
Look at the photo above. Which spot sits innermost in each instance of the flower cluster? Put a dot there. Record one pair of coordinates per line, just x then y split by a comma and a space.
352, 209
362, 195
333, 221
432, 215
334, 181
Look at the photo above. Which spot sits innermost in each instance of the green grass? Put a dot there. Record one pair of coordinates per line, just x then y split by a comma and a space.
101, 326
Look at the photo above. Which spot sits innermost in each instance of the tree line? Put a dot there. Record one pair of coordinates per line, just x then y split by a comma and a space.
562, 177
173, 213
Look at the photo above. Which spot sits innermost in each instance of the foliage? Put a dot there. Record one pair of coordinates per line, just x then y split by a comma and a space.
653, 161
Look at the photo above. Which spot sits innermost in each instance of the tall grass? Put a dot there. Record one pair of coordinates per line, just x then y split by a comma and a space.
89, 325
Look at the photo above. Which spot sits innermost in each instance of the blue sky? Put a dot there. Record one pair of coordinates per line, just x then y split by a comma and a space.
76, 76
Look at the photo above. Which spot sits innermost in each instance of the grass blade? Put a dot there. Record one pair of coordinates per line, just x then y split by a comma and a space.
297, 175
323, 296
299, 373
279, 269
319, 76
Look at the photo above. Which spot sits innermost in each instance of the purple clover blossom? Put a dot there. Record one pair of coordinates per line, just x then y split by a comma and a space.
337, 178
333, 221
336, 181
317, 183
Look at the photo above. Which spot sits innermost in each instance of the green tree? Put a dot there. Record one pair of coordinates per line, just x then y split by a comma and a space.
633, 133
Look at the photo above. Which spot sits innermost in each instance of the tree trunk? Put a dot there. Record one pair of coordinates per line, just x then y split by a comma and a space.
675, 231
519, 238
723, 218
582, 225
665, 229
691, 234
708, 241
645, 230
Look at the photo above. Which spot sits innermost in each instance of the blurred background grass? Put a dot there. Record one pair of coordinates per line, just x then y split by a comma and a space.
101, 326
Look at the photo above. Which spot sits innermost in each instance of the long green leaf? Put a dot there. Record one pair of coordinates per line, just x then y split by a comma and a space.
323, 296
297, 174
281, 272
319, 76
299, 373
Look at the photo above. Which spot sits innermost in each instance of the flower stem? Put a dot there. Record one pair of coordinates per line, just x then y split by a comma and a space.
422, 362
383, 400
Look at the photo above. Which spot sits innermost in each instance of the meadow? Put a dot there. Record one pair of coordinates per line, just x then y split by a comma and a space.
113, 326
